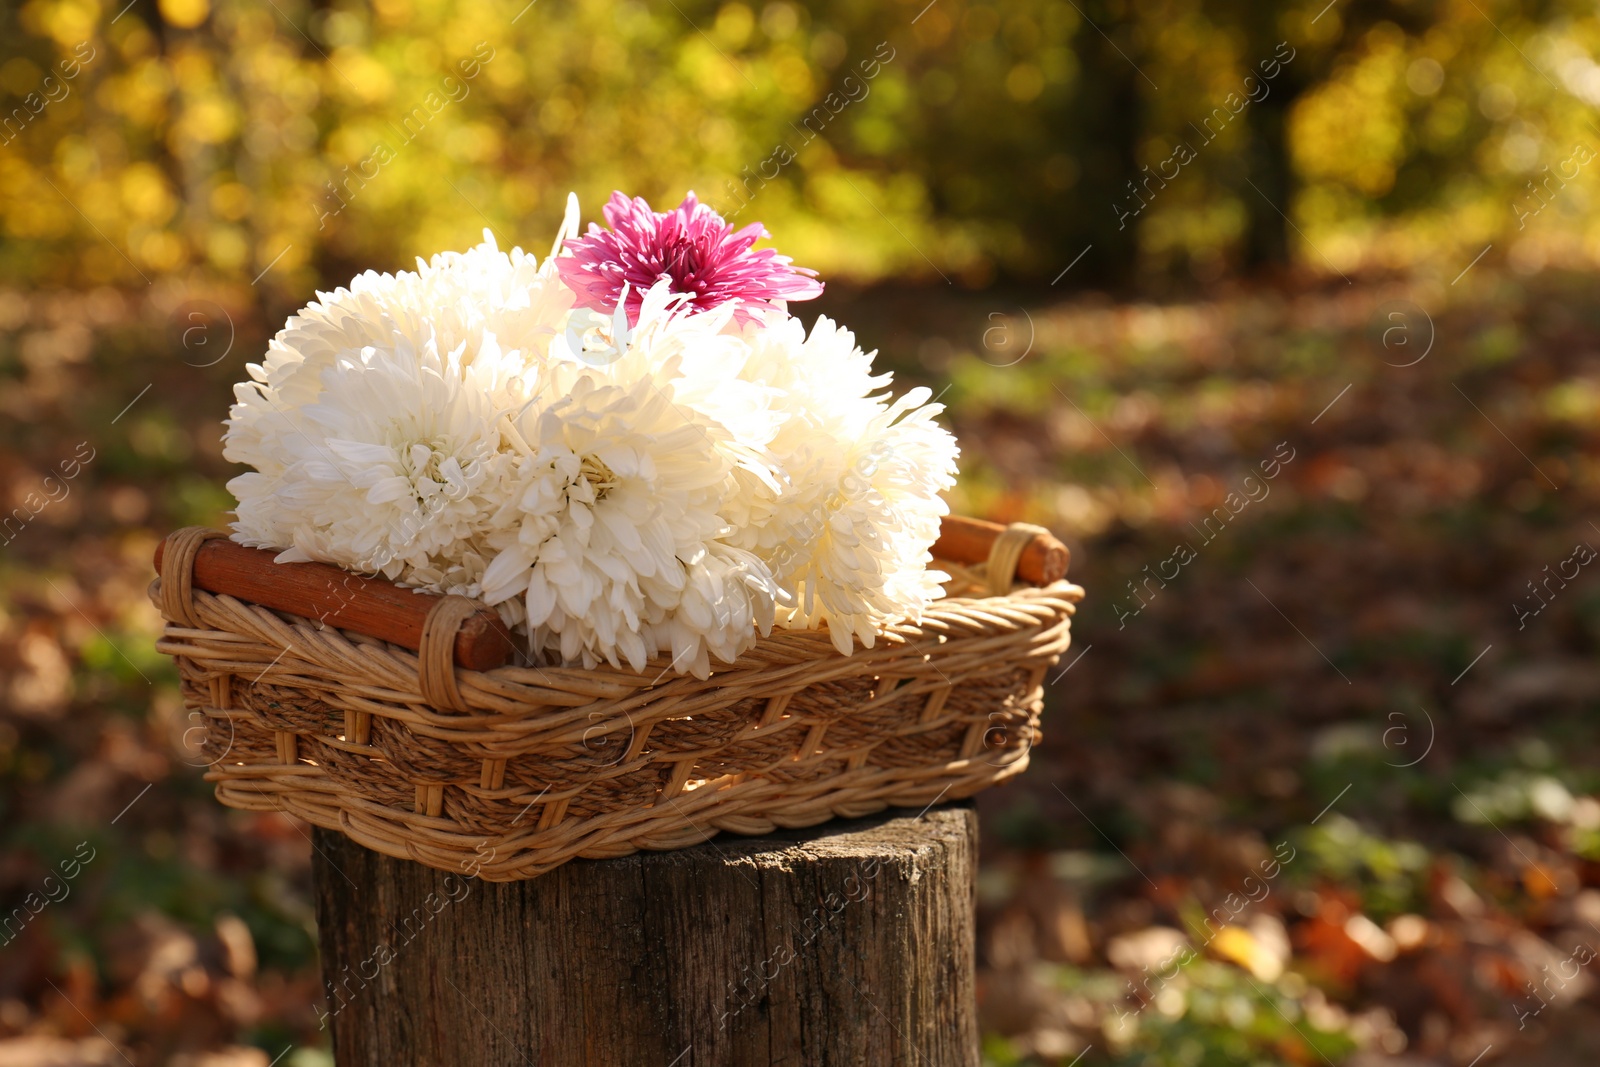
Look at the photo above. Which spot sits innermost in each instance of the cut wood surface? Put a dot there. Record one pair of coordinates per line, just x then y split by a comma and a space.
381, 609
852, 946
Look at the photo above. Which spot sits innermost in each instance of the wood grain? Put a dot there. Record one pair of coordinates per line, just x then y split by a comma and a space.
347, 601
851, 946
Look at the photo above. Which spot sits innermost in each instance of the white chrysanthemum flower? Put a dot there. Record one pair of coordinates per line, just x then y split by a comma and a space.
708, 353
399, 467
455, 299
372, 424
612, 541
848, 533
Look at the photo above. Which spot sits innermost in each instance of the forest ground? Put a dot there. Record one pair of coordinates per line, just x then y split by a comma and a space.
1353, 724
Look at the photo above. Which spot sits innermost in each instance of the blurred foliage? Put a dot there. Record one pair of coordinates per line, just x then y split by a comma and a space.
1211, 1015
297, 143
1388, 873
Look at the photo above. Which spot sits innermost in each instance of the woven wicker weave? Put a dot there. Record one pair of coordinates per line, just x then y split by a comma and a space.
511, 772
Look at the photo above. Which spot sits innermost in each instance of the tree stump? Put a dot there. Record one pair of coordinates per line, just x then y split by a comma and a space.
851, 943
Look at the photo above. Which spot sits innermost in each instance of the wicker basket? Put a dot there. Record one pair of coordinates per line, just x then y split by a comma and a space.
510, 772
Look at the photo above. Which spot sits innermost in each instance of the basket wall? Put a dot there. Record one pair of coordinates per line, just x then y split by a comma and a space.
537, 766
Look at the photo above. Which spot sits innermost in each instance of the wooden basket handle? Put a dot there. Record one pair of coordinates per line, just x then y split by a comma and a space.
1042, 559
335, 597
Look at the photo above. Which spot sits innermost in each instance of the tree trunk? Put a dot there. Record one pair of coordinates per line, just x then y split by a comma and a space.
849, 944
1266, 236
1267, 163
1110, 119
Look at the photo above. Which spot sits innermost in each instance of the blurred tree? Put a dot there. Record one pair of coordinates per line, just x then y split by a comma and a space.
292, 144
1109, 122
1319, 41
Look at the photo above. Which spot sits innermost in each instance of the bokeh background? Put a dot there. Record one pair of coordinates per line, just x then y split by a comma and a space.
1143, 246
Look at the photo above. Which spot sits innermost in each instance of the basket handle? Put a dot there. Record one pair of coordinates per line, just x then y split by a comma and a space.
197, 558
177, 588
1020, 550
436, 666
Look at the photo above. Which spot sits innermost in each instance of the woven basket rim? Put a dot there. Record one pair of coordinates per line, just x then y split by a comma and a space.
577, 686
777, 650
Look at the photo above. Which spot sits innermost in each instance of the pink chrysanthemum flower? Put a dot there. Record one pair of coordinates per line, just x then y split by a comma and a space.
706, 260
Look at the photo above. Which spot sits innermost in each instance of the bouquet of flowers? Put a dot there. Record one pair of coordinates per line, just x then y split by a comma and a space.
630, 449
